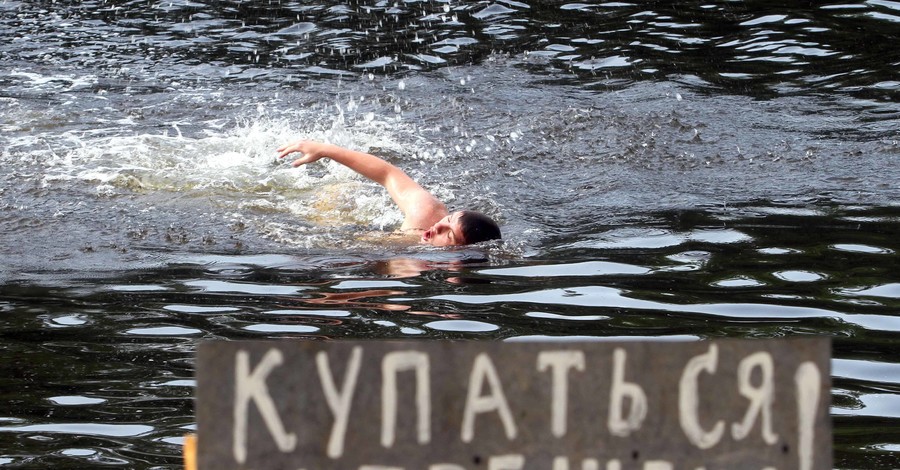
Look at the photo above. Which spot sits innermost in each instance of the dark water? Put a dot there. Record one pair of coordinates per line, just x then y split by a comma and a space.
680, 170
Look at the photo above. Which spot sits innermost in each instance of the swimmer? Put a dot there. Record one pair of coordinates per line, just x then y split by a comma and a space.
423, 213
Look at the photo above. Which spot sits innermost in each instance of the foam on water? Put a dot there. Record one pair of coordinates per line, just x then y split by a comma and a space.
226, 161
241, 157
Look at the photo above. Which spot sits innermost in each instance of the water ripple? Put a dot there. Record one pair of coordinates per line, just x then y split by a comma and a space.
804, 45
82, 429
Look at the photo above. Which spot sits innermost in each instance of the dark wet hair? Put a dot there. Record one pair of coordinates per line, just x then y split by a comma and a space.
477, 227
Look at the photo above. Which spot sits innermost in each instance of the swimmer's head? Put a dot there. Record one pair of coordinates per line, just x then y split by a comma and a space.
477, 227
461, 228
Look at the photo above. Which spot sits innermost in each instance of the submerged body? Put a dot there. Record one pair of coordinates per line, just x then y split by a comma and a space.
423, 214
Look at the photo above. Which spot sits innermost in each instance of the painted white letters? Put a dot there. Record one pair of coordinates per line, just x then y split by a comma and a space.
807, 381
252, 386
476, 403
562, 463
689, 400
339, 402
506, 462
559, 406
658, 465
392, 364
760, 397
619, 425
559, 362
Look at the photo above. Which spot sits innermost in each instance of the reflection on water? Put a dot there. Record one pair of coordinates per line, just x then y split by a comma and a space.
667, 171
99, 370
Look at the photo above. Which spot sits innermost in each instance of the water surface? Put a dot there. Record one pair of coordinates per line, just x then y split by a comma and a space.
662, 171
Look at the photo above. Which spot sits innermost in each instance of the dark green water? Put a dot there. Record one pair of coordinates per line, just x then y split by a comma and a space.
662, 171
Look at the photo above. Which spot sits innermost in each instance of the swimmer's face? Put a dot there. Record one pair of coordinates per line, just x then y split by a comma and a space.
446, 232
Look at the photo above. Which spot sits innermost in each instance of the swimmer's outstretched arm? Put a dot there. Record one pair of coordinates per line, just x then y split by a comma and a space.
420, 208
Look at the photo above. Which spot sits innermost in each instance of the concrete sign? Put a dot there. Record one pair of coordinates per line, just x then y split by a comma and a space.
435, 405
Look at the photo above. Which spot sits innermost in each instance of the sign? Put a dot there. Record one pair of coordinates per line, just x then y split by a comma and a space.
436, 405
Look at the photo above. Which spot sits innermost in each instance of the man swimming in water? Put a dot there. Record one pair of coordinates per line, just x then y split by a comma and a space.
422, 211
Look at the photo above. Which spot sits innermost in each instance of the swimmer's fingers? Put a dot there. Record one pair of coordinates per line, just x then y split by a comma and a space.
290, 148
301, 146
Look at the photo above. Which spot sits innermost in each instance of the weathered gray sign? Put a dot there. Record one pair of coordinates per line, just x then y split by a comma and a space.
432, 405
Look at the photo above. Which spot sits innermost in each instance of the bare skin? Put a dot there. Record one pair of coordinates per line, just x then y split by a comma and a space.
422, 212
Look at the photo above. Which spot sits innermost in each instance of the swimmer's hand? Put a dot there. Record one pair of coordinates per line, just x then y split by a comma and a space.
312, 151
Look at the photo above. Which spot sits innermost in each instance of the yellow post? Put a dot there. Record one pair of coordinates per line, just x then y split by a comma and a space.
190, 452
